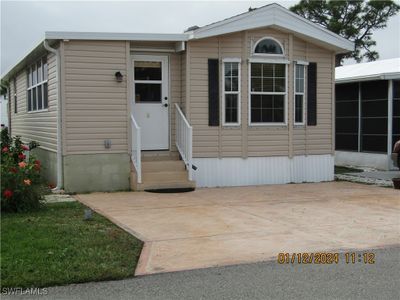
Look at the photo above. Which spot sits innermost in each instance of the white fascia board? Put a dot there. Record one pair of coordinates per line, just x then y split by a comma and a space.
234, 25
315, 31
387, 76
36, 50
275, 15
115, 36
336, 42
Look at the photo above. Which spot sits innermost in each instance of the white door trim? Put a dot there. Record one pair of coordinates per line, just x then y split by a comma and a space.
165, 141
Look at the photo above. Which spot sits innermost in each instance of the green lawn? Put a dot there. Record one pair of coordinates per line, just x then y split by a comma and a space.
341, 170
56, 246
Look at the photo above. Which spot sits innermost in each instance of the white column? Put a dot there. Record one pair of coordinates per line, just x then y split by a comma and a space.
390, 123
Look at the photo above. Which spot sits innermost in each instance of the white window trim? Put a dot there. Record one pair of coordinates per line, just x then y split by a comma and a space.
265, 60
267, 54
302, 62
285, 112
36, 86
295, 93
232, 59
239, 62
15, 96
37, 111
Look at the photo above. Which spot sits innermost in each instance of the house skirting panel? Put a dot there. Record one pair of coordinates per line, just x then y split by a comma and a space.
362, 159
48, 160
102, 172
215, 172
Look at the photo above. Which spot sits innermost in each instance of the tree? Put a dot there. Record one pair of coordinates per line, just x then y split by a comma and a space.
3, 87
353, 20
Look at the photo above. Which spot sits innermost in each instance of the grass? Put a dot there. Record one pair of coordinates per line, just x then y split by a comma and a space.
341, 170
56, 246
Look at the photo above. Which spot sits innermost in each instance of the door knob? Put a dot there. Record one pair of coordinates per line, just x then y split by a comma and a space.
165, 104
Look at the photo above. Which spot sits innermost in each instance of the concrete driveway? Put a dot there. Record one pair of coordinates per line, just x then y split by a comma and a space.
223, 226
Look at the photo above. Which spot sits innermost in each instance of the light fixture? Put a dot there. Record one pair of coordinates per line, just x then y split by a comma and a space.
119, 76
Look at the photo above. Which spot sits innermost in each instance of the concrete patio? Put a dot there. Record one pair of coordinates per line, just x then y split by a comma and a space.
223, 226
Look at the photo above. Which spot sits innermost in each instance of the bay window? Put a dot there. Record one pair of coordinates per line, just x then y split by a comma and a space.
267, 93
231, 92
37, 86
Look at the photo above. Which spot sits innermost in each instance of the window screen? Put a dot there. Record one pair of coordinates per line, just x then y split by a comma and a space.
374, 111
267, 93
396, 112
231, 92
37, 86
347, 116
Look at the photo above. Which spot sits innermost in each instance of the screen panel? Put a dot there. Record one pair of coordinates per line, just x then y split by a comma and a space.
347, 116
374, 112
396, 112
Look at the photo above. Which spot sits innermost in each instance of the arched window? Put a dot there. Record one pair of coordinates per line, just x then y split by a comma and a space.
268, 46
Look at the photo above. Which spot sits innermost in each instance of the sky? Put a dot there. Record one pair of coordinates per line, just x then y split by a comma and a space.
23, 23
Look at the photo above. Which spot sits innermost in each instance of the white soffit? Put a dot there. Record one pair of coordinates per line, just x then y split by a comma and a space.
377, 70
275, 15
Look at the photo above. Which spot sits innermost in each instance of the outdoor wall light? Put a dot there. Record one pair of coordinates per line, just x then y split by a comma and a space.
119, 76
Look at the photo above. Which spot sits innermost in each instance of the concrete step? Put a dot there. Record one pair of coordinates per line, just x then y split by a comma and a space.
163, 166
164, 176
150, 185
161, 170
159, 155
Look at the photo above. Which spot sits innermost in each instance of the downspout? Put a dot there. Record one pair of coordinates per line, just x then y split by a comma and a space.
59, 115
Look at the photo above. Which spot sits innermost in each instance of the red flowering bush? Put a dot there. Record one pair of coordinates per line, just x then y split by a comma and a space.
20, 175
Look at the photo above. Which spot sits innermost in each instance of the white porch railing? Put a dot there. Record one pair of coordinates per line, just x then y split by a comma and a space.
184, 138
136, 149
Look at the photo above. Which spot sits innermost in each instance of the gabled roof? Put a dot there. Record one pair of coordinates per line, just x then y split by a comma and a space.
272, 15
377, 70
275, 15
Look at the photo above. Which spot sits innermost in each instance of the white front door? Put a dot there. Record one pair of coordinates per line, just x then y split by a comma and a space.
150, 103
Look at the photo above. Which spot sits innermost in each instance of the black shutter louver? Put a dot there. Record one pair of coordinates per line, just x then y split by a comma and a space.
213, 92
312, 94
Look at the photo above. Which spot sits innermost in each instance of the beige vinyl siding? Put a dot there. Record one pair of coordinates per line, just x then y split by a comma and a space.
205, 138
175, 92
231, 137
152, 45
36, 126
183, 82
317, 139
96, 106
245, 140
95, 103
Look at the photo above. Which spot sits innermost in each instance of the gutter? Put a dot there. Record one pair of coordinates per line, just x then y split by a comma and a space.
59, 115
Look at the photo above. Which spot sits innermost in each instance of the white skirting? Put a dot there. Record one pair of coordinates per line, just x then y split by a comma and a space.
214, 172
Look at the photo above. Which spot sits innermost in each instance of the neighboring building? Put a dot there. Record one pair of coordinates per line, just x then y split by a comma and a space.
367, 113
244, 101
4, 110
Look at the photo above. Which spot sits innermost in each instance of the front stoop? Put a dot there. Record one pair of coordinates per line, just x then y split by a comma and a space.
160, 172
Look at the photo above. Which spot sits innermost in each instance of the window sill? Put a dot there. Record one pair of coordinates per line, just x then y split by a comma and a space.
267, 125
38, 111
231, 125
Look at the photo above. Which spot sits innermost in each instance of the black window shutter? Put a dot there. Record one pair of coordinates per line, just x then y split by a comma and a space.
213, 92
312, 94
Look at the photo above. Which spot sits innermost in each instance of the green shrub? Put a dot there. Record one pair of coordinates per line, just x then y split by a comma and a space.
21, 188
